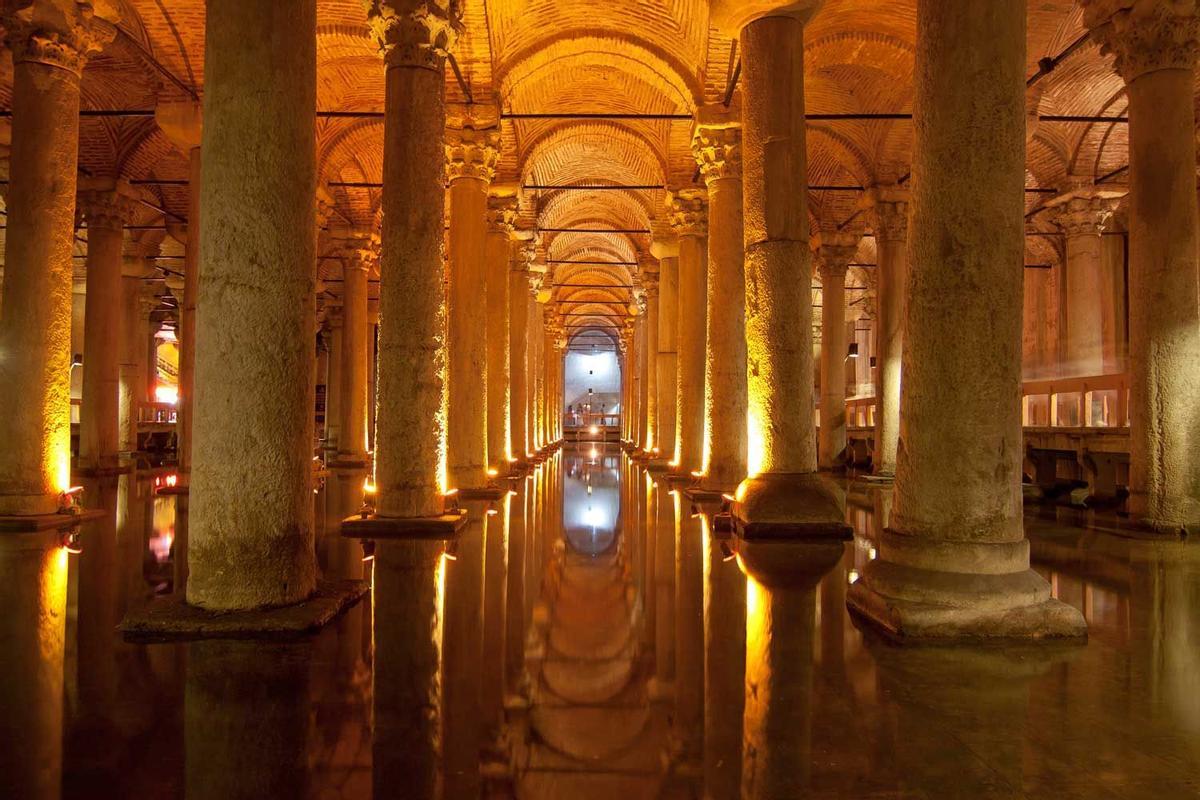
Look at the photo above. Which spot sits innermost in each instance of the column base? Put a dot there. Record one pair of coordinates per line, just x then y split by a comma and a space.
887, 478
347, 462
444, 526
173, 620
911, 604
789, 505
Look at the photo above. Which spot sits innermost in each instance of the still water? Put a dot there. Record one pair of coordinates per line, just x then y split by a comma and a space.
591, 637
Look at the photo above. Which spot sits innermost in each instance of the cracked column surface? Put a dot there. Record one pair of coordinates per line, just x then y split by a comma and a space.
783, 494
410, 420
251, 511
107, 207
518, 352
1155, 44
833, 250
889, 207
666, 249
357, 255
501, 213
35, 318
954, 562
717, 147
688, 211
470, 166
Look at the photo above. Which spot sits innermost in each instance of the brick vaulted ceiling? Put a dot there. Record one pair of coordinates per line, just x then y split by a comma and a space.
627, 56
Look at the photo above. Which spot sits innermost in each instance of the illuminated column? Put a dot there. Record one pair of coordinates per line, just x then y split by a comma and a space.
724, 666
688, 211
333, 380
501, 213
497, 564
666, 249
357, 253
645, 367
636, 404
50, 40
251, 510
138, 302
410, 420
889, 207
689, 637
537, 376
662, 517
651, 434
717, 147
107, 207
532, 316
784, 492
518, 352
1155, 44
954, 562
626, 363
470, 165
833, 250
183, 125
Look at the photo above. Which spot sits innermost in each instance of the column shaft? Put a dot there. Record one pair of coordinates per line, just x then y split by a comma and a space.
251, 518
667, 363
499, 256
352, 406
187, 318
891, 234
518, 359
832, 440
653, 433
693, 300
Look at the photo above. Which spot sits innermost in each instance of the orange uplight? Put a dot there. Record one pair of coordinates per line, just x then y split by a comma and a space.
493, 473
697, 473
450, 493
369, 487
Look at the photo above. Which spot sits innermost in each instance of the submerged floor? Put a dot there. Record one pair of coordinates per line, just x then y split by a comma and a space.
602, 707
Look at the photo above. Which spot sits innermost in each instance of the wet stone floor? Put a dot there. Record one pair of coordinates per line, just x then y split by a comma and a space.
614, 649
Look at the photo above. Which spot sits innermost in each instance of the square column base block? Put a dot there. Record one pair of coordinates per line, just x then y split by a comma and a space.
103, 472
444, 527
911, 604
36, 523
708, 500
173, 620
790, 505
658, 466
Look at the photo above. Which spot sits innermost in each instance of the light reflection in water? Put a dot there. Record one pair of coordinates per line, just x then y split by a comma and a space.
591, 501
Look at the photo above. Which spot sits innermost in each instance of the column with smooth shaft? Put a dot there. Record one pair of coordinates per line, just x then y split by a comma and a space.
717, 147
358, 253
51, 41
518, 351
106, 206
251, 509
501, 213
833, 251
1155, 44
954, 561
665, 247
688, 212
783, 494
649, 280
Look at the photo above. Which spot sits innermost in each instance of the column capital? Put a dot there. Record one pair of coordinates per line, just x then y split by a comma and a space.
1144, 35
1083, 212
472, 153
730, 16
58, 33
147, 302
325, 206
535, 279
833, 251
415, 33
501, 214
649, 282
663, 242
106, 204
357, 250
687, 210
717, 148
888, 207
526, 253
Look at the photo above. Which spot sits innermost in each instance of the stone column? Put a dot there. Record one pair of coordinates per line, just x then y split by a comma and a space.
470, 165
50, 41
1083, 215
666, 250
251, 511
1155, 44
689, 637
627, 368
889, 207
183, 124
537, 376
717, 147
410, 429
645, 366
138, 302
518, 352
833, 250
652, 433
107, 207
501, 213
661, 516
688, 212
357, 254
954, 562
783, 490
333, 382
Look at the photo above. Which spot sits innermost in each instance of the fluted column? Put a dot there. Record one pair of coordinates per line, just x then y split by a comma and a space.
1155, 46
410, 420
649, 280
833, 250
358, 254
251, 510
518, 352
688, 211
666, 249
470, 165
889, 207
954, 561
50, 41
783, 491
106, 207
501, 213
717, 147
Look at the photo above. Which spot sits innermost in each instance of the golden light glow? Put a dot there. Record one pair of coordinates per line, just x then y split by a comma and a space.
368, 487
593, 430
697, 473
755, 443
852, 576
493, 472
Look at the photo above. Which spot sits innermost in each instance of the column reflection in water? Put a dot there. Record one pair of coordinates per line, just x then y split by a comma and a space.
724, 665
689, 637
662, 517
495, 600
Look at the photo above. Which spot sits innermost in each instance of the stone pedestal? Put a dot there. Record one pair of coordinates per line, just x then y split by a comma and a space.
954, 564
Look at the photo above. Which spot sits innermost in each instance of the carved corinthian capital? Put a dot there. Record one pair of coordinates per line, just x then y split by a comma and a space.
687, 210
107, 205
58, 33
888, 207
415, 33
472, 153
1144, 35
833, 251
501, 214
718, 151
